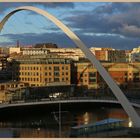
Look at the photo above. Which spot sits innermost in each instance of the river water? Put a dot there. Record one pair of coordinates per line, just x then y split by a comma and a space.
45, 124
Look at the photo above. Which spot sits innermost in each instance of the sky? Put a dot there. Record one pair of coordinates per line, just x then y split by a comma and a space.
115, 25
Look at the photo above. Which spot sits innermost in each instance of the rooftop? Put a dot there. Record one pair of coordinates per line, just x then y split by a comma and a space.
102, 122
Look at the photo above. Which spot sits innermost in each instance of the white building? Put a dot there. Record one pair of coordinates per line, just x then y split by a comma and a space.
14, 50
135, 54
34, 51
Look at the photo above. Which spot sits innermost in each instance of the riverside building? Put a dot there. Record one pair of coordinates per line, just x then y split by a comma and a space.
126, 75
43, 70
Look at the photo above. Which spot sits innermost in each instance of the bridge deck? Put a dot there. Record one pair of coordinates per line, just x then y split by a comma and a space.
63, 101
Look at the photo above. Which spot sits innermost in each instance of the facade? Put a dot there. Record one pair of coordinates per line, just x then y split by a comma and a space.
3, 62
14, 50
86, 75
73, 53
43, 71
8, 89
128, 55
109, 54
102, 54
116, 56
135, 55
126, 75
34, 51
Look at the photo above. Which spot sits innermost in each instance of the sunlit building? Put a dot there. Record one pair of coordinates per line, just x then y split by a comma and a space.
43, 70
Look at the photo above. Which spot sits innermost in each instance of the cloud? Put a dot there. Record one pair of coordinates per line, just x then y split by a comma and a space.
114, 25
130, 30
109, 18
4, 5
32, 38
62, 40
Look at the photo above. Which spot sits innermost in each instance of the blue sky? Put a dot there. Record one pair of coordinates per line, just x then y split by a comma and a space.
101, 24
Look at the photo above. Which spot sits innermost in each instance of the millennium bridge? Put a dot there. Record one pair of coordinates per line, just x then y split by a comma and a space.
70, 100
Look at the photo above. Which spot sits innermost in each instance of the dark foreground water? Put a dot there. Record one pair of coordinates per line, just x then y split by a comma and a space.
42, 122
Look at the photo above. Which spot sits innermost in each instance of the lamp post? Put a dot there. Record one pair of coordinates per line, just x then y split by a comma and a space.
59, 117
59, 120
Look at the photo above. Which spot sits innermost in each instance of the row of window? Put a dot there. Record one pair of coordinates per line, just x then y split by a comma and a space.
56, 73
46, 79
29, 73
56, 68
90, 74
29, 79
56, 79
89, 80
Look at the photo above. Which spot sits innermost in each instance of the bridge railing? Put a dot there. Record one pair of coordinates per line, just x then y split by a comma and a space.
69, 98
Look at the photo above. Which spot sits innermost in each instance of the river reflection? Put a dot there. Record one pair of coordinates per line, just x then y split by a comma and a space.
47, 125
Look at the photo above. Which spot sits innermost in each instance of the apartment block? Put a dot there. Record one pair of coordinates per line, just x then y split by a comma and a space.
43, 71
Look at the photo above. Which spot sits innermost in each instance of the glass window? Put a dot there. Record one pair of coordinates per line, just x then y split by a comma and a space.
66, 73
56, 68
56, 79
56, 73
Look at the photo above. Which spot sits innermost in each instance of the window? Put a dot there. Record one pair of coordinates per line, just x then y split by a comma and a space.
50, 80
92, 74
56, 73
50, 68
66, 73
45, 73
67, 68
56, 68
62, 79
56, 79
67, 79
92, 80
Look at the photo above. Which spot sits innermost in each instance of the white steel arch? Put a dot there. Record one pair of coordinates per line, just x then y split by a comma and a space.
111, 83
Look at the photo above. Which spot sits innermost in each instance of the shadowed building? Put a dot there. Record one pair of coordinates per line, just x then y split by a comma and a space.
126, 75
